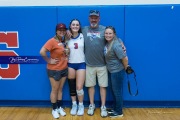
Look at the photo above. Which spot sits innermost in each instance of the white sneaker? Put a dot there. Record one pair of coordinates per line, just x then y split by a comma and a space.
91, 110
55, 113
103, 111
73, 110
61, 111
80, 110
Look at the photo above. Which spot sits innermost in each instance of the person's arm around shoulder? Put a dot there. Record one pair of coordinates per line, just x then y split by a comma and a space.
68, 34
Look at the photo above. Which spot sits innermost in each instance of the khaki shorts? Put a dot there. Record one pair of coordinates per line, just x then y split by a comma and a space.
100, 72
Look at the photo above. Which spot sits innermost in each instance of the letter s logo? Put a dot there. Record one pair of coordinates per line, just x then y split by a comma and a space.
12, 71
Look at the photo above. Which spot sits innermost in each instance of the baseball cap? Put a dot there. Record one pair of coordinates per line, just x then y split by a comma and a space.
61, 26
94, 12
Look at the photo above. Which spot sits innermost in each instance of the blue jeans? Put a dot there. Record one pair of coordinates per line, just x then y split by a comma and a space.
116, 85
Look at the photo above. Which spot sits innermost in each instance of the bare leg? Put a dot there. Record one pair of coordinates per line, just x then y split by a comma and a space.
103, 95
91, 92
54, 89
61, 84
80, 78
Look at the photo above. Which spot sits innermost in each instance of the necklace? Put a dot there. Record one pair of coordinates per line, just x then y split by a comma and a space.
57, 39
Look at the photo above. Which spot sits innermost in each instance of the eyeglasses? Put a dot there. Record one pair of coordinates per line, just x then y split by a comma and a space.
94, 11
111, 27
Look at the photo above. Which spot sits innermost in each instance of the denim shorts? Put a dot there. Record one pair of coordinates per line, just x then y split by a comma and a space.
57, 74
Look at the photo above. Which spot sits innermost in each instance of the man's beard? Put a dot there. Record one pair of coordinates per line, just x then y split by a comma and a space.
94, 25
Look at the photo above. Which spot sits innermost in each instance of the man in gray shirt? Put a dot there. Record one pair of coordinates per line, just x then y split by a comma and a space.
95, 61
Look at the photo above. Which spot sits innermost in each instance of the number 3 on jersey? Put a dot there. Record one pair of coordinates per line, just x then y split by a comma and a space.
75, 45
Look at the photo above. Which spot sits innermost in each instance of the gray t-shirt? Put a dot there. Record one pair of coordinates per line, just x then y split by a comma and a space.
114, 56
94, 46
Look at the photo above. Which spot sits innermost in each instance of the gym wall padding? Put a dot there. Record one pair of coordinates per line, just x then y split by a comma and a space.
150, 33
152, 40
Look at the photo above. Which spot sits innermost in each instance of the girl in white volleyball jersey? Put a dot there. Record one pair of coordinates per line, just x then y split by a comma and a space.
76, 67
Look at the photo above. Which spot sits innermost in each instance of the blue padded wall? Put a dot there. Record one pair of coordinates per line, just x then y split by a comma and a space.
35, 25
150, 33
152, 39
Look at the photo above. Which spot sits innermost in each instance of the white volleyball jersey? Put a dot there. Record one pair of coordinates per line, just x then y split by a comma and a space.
76, 46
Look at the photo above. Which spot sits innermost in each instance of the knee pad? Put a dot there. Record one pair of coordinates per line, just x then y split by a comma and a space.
72, 87
80, 92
